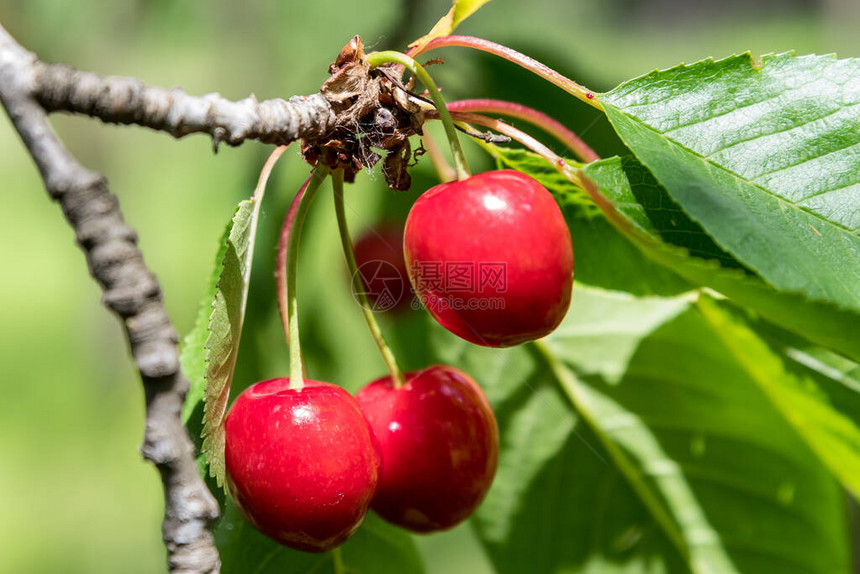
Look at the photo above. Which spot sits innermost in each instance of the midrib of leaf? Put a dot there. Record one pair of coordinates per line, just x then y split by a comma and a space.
765, 369
700, 545
337, 559
571, 386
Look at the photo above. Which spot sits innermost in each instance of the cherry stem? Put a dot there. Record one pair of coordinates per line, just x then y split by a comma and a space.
377, 59
542, 70
357, 284
533, 116
263, 180
297, 378
443, 169
558, 162
281, 265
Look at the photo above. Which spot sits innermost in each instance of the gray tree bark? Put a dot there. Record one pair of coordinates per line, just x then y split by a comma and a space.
29, 90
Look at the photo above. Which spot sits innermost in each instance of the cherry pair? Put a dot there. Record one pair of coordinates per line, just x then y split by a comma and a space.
491, 258
304, 465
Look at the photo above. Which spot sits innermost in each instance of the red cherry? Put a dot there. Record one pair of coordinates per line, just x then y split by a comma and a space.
440, 447
302, 465
379, 257
491, 258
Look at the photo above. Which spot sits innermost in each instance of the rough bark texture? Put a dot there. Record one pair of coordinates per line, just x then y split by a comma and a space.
58, 87
28, 90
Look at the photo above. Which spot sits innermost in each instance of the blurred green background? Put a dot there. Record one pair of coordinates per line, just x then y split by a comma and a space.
75, 495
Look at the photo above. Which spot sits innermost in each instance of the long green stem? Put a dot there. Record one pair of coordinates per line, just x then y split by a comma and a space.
572, 388
358, 286
550, 125
537, 147
297, 377
542, 70
391, 57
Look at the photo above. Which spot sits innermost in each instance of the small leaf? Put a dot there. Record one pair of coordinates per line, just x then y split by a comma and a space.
463, 9
210, 350
764, 157
460, 10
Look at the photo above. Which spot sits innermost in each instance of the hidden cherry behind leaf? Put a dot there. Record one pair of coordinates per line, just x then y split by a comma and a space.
379, 257
491, 258
440, 447
302, 464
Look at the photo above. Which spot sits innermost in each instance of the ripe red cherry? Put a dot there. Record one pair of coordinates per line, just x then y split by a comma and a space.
491, 258
379, 257
302, 465
439, 443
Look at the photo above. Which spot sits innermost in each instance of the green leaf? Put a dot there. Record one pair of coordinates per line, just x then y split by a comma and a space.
764, 157
377, 547
209, 354
192, 359
225, 330
820, 401
556, 504
639, 202
641, 210
659, 454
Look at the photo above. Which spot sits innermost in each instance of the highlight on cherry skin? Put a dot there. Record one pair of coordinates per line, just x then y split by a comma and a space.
491, 258
440, 447
302, 464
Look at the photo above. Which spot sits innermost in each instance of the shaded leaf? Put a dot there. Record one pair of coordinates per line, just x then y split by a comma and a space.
660, 455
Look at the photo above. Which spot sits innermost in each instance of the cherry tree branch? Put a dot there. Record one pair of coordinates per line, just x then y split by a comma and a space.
118, 100
130, 289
